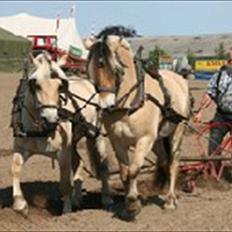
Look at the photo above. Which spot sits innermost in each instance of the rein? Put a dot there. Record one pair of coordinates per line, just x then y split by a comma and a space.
77, 118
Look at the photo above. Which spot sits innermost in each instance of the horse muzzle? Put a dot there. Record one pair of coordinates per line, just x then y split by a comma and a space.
108, 101
49, 114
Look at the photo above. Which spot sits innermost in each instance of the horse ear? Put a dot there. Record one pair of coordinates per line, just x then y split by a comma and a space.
47, 56
89, 42
124, 43
34, 61
63, 60
55, 67
113, 42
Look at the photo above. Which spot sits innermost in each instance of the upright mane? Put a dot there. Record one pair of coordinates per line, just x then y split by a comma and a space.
117, 30
101, 52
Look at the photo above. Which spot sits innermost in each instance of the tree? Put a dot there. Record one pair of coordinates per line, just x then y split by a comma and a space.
220, 51
191, 57
155, 54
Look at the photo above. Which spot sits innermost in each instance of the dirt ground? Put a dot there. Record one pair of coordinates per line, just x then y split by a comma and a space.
207, 208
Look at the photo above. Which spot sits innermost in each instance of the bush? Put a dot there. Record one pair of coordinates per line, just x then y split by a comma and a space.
155, 54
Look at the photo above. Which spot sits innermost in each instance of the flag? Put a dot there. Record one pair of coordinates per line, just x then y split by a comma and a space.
73, 11
57, 21
92, 35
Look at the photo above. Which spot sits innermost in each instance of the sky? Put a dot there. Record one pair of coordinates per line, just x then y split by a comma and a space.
148, 18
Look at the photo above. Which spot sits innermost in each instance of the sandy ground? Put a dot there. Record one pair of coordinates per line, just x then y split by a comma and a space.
208, 208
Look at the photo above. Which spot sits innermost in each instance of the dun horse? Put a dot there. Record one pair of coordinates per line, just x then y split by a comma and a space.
112, 69
50, 135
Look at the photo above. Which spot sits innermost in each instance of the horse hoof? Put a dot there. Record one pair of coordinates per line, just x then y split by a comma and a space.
109, 207
21, 206
67, 210
126, 216
133, 208
169, 206
108, 204
77, 202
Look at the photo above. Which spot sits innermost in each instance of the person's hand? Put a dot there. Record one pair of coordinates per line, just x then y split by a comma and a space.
197, 117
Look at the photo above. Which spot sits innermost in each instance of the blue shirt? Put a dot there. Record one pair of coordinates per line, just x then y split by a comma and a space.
222, 96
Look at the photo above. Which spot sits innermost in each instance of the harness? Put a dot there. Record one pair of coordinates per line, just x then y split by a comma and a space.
41, 128
143, 66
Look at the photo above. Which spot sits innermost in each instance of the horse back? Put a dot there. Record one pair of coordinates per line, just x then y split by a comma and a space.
177, 87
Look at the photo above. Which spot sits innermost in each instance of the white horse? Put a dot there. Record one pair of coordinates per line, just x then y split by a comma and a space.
40, 114
111, 67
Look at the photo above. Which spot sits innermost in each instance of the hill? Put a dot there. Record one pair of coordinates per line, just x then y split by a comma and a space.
200, 45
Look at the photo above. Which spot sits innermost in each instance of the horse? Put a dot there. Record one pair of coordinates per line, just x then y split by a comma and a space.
47, 91
112, 69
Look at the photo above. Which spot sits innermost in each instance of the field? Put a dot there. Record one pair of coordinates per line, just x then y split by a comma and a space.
208, 208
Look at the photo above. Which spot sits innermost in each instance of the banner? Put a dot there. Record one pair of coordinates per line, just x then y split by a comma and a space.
209, 65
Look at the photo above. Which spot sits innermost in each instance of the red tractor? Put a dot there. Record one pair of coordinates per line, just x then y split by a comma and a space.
74, 62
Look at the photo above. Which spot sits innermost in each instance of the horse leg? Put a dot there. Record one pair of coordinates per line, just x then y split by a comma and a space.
175, 141
121, 152
77, 167
20, 204
65, 159
162, 149
143, 146
97, 151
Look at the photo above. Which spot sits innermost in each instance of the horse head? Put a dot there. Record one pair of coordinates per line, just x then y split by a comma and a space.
46, 84
107, 64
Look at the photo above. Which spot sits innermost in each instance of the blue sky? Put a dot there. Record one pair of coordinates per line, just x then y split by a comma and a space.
149, 18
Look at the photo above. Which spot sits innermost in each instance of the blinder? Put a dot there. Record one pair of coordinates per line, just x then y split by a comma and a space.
63, 88
33, 86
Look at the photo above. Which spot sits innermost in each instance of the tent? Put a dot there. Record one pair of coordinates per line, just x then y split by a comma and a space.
65, 29
13, 49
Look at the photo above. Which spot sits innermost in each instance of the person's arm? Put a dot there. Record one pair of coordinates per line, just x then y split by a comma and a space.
205, 103
207, 98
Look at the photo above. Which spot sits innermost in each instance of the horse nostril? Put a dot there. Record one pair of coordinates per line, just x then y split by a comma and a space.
44, 118
50, 115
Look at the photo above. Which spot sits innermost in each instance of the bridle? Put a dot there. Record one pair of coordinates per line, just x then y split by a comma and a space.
42, 125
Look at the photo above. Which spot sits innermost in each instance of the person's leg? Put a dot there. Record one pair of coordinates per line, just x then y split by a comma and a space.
217, 134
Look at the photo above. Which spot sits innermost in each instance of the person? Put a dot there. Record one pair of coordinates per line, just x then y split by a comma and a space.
220, 92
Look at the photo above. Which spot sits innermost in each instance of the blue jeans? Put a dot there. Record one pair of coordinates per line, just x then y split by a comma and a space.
218, 133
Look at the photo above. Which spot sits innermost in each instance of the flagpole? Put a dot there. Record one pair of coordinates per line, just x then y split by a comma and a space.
56, 31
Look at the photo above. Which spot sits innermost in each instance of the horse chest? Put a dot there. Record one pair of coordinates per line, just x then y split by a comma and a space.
52, 145
166, 129
122, 130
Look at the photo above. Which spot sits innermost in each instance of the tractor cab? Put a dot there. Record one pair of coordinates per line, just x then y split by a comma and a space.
74, 64
44, 42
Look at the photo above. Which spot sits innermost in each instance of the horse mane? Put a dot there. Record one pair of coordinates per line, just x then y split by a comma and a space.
117, 30
101, 52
